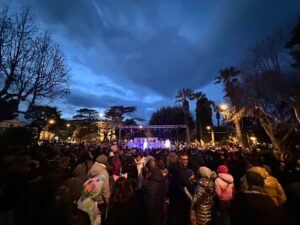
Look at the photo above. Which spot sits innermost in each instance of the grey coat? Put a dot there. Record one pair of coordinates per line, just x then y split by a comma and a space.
202, 200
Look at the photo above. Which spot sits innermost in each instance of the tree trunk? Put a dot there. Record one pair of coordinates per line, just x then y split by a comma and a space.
187, 129
277, 141
239, 133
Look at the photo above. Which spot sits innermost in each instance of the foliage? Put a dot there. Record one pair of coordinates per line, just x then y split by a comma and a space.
184, 95
170, 116
203, 113
63, 129
117, 113
32, 66
39, 116
86, 115
87, 127
265, 88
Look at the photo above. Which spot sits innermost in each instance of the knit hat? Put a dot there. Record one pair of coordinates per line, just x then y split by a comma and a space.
254, 179
205, 172
222, 169
101, 159
190, 172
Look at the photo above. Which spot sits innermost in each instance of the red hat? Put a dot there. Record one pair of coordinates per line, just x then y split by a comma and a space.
222, 169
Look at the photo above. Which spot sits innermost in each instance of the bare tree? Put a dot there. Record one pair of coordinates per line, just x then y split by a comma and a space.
266, 91
32, 66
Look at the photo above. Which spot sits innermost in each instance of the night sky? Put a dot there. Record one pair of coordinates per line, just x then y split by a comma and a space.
139, 53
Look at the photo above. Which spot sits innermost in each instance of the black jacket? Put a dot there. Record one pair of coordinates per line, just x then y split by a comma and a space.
254, 208
153, 198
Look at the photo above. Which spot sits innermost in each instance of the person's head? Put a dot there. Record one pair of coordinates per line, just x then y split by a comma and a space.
161, 165
190, 174
205, 172
102, 159
254, 179
184, 159
151, 166
222, 169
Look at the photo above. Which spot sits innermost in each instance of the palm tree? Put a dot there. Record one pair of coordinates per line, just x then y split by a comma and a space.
199, 95
184, 95
228, 78
218, 117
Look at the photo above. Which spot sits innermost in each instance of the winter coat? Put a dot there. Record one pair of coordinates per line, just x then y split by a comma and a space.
180, 204
202, 200
153, 199
255, 208
140, 179
271, 186
100, 170
224, 186
92, 188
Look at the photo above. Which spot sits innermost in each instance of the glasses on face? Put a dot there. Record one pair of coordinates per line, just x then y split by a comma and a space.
184, 159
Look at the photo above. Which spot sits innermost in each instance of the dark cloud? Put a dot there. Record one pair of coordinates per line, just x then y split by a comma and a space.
157, 47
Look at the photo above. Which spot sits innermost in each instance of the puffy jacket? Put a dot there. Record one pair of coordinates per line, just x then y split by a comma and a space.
202, 200
224, 186
271, 186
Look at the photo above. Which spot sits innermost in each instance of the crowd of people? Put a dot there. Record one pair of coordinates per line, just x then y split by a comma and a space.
88, 184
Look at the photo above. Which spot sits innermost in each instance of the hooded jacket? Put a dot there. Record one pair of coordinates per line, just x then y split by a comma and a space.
202, 200
99, 169
271, 185
224, 186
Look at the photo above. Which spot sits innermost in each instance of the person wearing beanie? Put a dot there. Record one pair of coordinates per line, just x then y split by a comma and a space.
203, 197
254, 206
99, 170
224, 187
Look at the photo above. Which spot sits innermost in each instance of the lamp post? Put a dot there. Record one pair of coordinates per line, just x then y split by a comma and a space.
211, 130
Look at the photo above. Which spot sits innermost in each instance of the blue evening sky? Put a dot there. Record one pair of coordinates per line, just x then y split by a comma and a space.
140, 52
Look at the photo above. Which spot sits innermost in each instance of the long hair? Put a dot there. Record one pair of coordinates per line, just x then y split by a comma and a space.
122, 191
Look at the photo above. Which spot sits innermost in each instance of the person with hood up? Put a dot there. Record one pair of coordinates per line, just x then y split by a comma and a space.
203, 197
271, 185
224, 187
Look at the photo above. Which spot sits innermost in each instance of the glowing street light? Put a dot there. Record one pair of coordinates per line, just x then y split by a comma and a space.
141, 127
209, 128
51, 121
68, 125
223, 107
101, 115
252, 138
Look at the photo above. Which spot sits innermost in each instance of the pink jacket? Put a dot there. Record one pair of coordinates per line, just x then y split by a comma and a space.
224, 186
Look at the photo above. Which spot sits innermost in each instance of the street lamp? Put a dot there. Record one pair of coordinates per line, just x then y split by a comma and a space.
101, 115
209, 128
223, 106
51, 121
68, 125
